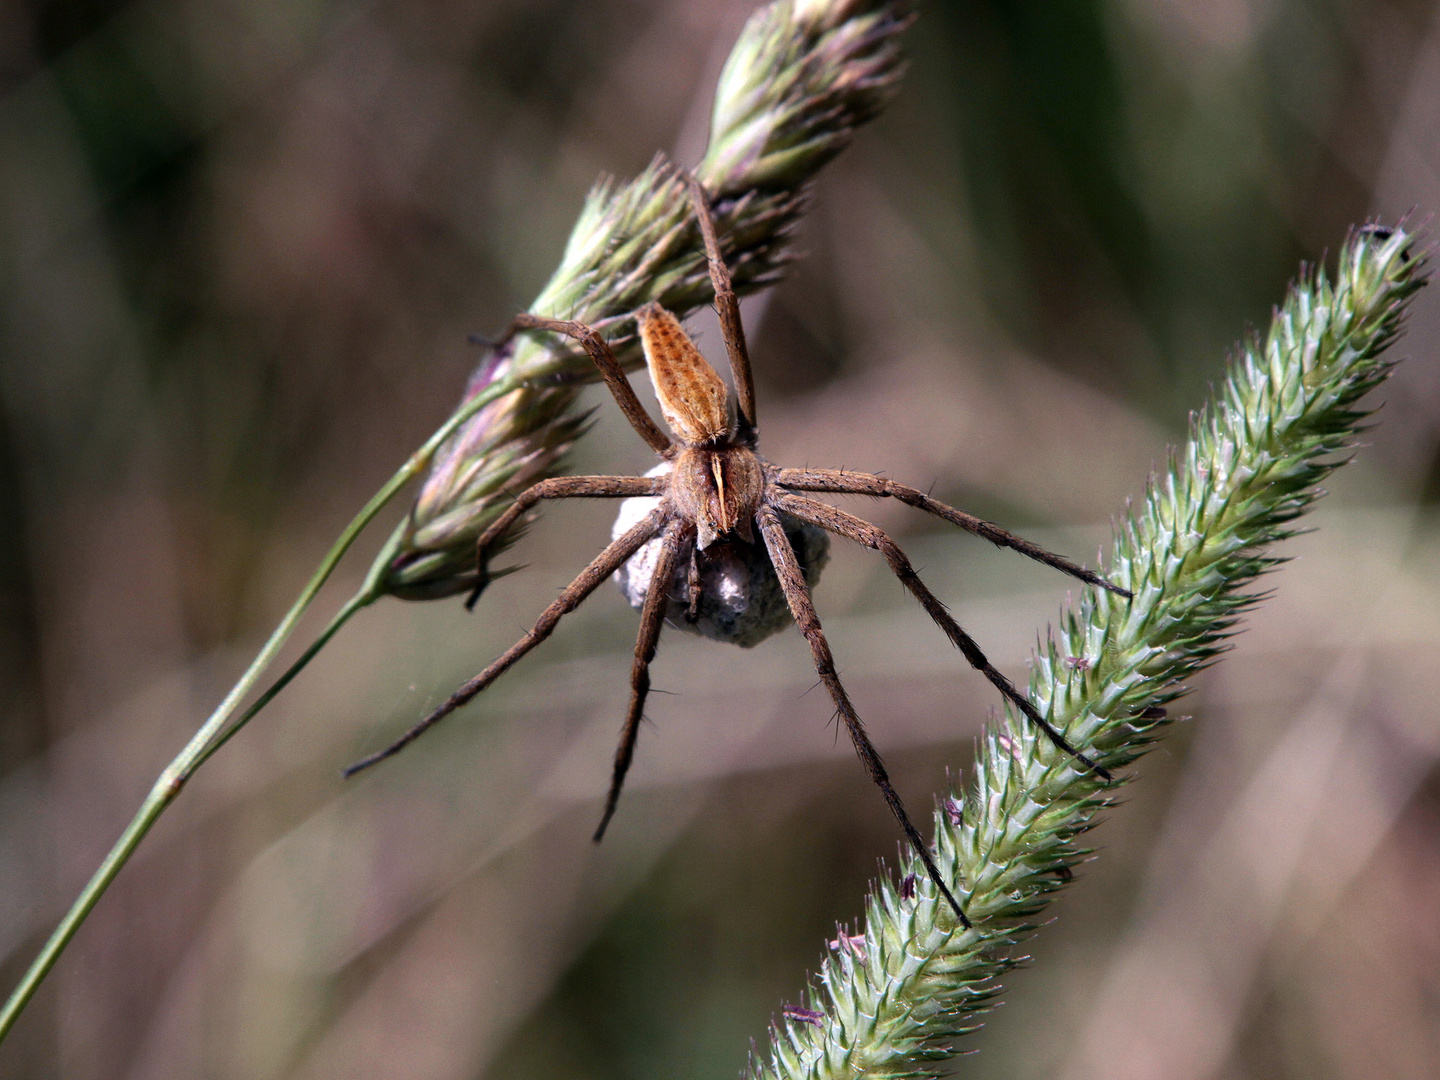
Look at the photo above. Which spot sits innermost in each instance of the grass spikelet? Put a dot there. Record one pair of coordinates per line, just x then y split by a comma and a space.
1190, 550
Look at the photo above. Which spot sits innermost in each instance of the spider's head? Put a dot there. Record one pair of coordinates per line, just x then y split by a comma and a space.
717, 481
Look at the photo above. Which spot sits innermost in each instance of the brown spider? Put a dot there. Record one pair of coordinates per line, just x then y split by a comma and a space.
716, 489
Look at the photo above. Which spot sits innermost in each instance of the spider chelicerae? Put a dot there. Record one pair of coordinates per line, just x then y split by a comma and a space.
712, 494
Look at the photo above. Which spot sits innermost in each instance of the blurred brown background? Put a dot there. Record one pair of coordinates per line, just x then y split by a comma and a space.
241, 244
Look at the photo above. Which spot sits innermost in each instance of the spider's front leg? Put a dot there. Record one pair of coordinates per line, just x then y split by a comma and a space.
727, 307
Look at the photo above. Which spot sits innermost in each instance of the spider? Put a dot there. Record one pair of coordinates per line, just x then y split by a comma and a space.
715, 496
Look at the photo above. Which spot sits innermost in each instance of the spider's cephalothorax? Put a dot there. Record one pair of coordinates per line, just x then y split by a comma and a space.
715, 506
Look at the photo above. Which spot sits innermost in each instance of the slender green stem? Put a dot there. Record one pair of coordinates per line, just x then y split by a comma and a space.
355, 603
369, 592
212, 733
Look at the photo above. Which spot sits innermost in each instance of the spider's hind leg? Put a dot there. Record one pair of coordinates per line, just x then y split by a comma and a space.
599, 351
652, 618
862, 532
802, 606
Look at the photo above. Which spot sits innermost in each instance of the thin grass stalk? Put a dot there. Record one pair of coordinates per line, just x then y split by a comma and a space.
170, 782
892, 1000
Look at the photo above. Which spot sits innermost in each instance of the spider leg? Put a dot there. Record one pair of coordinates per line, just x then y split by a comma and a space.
610, 370
844, 482
557, 487
652, 618
862, 532
727, 307
802, 606
589, 579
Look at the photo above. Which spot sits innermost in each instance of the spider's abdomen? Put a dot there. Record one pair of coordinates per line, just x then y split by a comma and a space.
740, 597
691, 394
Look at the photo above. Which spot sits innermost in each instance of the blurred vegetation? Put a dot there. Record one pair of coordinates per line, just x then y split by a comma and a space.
241, 245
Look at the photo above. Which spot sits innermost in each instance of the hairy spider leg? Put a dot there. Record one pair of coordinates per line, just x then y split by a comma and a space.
727, 306
652, 618
802, 607
862, 532
610, 370
557, 487
844, 482
589, 579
